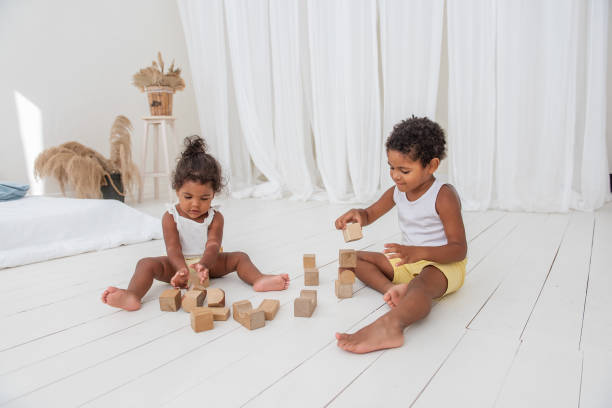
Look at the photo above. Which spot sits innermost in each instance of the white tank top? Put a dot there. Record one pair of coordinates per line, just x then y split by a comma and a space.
193, 235
418, 220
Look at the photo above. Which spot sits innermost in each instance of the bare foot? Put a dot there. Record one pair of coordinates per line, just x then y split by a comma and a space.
395, 294
271, 282
121, 298
382, 334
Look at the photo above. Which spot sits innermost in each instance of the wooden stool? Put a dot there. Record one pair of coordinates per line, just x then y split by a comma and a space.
166, 124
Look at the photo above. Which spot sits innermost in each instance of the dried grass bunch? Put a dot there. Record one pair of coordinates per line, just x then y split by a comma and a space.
155, 76
85, 169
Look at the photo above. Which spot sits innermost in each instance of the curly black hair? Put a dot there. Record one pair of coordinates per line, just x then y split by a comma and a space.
419, 138
196, 164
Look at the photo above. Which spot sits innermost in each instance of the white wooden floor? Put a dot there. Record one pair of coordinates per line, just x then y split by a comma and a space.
532, 326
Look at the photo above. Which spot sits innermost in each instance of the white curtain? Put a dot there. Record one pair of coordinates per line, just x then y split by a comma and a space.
204, 28
471, 100
345, 96
529, 115
291, 97
410, 45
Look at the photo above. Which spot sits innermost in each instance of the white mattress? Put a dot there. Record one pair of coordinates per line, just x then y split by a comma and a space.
34, 229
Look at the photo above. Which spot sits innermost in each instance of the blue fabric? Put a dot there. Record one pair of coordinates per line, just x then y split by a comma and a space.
12, 191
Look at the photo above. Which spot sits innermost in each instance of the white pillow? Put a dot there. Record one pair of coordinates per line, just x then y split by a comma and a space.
34, 228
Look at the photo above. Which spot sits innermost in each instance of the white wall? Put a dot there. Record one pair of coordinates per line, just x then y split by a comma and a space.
74, 60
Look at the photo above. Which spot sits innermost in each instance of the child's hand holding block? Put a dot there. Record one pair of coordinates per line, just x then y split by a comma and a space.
352, 232
170, 300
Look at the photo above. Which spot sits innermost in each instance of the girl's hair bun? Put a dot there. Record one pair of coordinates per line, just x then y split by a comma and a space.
194, 146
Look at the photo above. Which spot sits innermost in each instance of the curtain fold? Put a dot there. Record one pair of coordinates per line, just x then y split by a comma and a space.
345, 96
410, 48
471, 100
204, 29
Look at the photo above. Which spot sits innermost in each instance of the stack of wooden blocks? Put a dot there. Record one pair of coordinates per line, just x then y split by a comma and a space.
311, 273
346, 273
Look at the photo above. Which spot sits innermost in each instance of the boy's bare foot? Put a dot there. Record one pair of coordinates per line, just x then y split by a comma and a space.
271, 282
395, 294
121, 298
382, 334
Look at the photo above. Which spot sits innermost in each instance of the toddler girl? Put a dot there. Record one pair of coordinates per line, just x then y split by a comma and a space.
193, 231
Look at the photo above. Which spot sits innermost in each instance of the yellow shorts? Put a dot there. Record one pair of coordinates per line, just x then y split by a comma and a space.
454, 272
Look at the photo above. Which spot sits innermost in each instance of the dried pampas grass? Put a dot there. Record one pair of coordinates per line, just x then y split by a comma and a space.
155, 76
85, 169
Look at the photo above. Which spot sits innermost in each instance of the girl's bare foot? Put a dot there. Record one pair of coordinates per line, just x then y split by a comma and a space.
121, 298
395, 294
271, 282
382, 334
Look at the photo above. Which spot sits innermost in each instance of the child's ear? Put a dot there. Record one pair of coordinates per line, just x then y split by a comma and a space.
433, 165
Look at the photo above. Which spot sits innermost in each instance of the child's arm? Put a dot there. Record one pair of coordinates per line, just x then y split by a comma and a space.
369, 215
448, 207
213, 244
173, 249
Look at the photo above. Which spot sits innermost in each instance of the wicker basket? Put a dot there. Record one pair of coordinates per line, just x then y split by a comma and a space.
160, 100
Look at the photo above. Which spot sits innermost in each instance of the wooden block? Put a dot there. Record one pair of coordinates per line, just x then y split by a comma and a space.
303, 307
311, 294
309, 261
269, 307
352, 232
194, 280
241, 309
346, 276
254, 319
201, 319
216, 297
343, 290
170, 300
193, 298
219, 313
311, 277
347, 258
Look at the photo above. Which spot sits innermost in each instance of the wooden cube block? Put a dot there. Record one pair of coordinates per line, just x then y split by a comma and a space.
201, 319
269, 307
352, 232
311, 277
170, 300
310, 294
309, 261
254, 319
194, 280
193, 298
216, 297
346, 276
303, 307
241, 309
347, 258
219, 313
343, 290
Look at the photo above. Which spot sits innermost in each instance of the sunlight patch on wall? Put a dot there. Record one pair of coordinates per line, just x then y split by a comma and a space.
30, 126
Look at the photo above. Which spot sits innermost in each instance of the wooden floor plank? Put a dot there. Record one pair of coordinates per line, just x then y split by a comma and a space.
557, 315
596, 379
542, 376
597, 326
